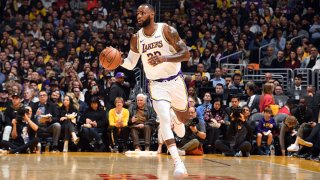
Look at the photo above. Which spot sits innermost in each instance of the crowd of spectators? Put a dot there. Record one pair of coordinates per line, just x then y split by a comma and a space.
49, 62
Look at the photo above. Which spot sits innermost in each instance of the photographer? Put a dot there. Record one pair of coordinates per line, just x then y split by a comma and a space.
195, 133
235, 101
239, 135
23, 132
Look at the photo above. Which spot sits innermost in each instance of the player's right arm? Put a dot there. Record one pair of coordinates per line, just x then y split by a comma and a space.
131, 61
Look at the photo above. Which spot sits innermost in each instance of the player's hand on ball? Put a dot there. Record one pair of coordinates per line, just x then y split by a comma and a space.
155, 60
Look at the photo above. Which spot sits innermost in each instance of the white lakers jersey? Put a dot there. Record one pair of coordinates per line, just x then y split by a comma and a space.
156, 44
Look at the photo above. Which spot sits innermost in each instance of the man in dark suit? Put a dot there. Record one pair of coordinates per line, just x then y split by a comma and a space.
298, 91
254, 99
48, 124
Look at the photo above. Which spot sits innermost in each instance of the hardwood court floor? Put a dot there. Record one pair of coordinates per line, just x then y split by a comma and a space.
118, 166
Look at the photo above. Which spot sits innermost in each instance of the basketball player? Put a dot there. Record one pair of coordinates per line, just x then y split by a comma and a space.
162, 52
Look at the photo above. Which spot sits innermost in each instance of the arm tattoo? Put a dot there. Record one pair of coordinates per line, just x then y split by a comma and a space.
176, 41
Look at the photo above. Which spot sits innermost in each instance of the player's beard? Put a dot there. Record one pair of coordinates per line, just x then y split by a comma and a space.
146, 22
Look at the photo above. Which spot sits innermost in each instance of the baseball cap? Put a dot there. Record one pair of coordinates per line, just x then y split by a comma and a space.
16, 95
119, 75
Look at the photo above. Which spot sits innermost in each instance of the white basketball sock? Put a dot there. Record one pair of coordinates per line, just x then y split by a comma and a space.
174, 154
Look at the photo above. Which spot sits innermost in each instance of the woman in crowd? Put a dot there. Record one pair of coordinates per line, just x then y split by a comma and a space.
68, 120
215, 124
118, 124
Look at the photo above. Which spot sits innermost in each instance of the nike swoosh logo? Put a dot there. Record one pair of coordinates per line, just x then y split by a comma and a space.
141, 41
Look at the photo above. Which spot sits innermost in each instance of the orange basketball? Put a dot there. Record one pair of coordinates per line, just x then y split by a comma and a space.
110, 58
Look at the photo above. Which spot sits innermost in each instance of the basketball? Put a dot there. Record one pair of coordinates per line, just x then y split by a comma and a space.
110, 58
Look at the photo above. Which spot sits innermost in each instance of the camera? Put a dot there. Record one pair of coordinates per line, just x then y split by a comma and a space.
236, 113
20, 114
193, 122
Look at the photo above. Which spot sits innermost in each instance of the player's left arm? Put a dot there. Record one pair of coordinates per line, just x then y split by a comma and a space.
182, 52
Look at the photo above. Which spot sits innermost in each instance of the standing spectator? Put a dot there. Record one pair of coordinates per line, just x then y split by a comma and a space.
117, 90
266, 99
253, 100
142, 120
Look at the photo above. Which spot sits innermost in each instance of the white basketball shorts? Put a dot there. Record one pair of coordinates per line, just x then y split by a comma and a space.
173, 91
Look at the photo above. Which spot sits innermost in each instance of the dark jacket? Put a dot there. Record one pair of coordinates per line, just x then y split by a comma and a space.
99, 116
254, 108
150, 114
240, 134
9, 114
50, 108
116, 90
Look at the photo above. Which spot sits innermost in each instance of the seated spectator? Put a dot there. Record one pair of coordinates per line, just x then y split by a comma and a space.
93, 122
235, 101
266, 61
193, 94
208, 61
279, 97
220, 93
142, 120
206, 105
278, 42
201, 69
310, 61
217, 78
68, 119
215, 125
236, 83
287, 133
10, 114
24, 131
298, 91
279, 62
47, 116
240, 133
265, 128
195, 134
118, 125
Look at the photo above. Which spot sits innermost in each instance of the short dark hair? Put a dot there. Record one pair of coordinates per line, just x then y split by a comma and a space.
298, 76
149, 6
236, 74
